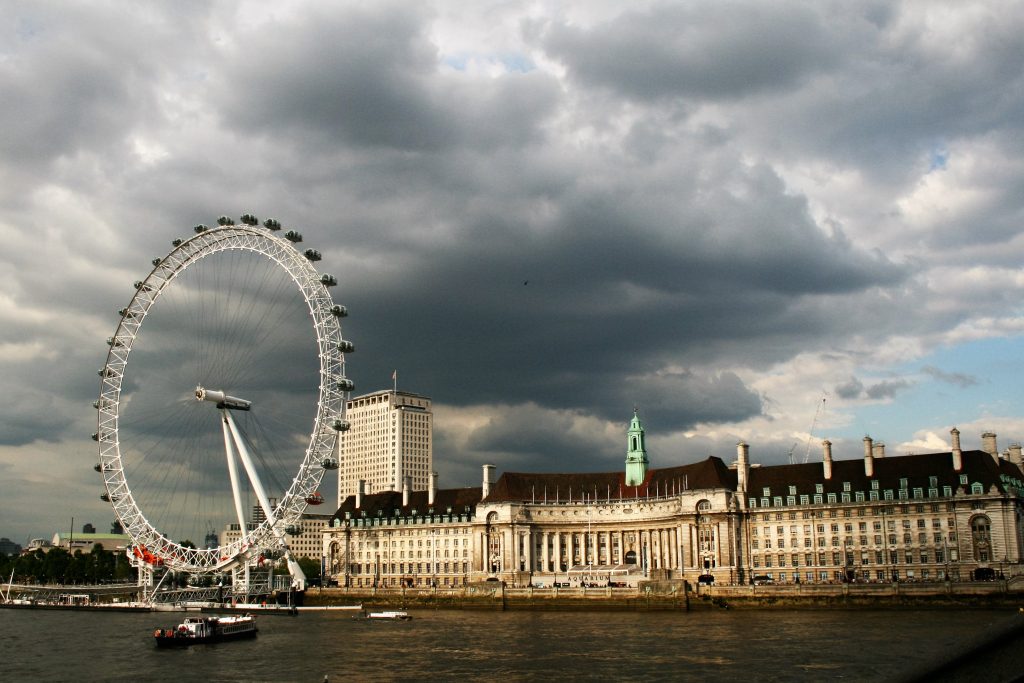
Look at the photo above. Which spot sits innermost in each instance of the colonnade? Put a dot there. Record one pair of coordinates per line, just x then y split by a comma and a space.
529, 549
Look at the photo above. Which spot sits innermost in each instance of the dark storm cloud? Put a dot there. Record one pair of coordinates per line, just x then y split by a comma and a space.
369, 77
653, 206
536, 439
608, 285
698, 50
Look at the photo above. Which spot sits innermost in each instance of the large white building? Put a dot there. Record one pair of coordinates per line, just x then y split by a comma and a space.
952, 515
390, 438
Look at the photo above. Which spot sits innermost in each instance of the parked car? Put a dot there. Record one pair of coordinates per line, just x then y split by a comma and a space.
762, 580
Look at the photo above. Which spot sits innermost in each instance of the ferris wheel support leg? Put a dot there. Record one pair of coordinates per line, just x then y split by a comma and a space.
254, 478
233, 470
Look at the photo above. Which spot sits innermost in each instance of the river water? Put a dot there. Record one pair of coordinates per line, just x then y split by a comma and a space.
862, 645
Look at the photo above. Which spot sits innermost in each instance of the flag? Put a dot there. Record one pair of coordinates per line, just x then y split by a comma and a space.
394, 376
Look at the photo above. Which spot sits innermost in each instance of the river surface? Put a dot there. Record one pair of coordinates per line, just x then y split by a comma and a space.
862, 645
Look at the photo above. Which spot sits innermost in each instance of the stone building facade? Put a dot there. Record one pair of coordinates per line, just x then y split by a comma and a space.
927, 517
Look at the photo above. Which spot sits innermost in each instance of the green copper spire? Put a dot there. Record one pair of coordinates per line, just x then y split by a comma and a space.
636, 456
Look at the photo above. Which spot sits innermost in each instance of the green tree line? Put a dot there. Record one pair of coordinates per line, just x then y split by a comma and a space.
58, 566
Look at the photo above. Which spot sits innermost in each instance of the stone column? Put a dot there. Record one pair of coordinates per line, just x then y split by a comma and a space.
510, 551
558, 552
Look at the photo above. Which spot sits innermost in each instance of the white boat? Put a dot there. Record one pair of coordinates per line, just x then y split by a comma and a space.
396, 615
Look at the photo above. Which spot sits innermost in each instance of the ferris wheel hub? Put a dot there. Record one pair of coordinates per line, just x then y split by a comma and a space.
222, 400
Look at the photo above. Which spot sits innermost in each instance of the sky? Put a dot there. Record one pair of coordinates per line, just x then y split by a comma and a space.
770, 222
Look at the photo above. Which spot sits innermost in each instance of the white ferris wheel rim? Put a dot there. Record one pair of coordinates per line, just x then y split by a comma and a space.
333, 389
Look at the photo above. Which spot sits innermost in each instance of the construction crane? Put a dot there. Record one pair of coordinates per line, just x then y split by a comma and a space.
814, 422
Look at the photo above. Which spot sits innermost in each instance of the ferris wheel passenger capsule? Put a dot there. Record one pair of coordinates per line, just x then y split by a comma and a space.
225, 221
293, 236
328, 280
345, 346
272, 224
125, 313
339, 311
329, 463
249, 219
200, 229
345, 384
341, 425
176, 243
157, 261
312, 254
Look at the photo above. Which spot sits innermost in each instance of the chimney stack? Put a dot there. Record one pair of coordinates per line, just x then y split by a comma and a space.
406, 486
827, 457
360, 488
1015, 455
879, 450
958, 455
432, 492
488, 471
869, 457
988, 444
742, 467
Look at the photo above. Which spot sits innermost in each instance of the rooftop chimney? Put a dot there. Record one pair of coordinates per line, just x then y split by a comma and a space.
406, 486
827, 457
360, 487
988, 444
958, 455
869, 457
742, 467
432, 492
1015, 455
879, 450
488, 472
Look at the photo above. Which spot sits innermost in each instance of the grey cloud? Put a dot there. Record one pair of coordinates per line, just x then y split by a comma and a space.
850, 389
371, 78
703, 50
886, 389
958, 379
856, 389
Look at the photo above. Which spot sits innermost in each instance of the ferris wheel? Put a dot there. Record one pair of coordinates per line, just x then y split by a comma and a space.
228, 415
